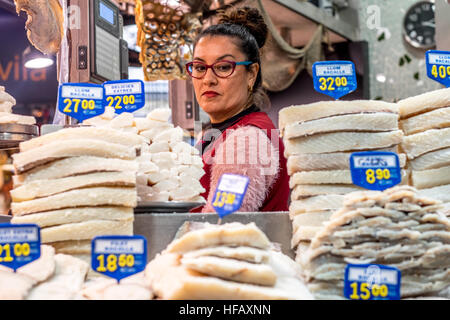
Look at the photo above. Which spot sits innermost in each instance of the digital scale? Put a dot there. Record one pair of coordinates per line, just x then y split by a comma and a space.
96, 48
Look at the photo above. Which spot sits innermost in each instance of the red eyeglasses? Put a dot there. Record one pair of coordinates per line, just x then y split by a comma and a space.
222, 68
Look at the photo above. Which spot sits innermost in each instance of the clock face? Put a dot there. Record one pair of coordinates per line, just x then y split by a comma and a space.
419, 25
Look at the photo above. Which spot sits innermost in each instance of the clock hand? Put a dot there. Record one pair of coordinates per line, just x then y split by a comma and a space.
429, 24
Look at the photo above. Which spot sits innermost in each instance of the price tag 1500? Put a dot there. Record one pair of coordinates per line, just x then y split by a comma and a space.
124, 95
375, 170
81, 100
334, 78
20, 244
371, 282
438, 66
230, 193
119, 257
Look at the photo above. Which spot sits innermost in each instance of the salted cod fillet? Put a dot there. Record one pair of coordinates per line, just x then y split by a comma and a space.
431, 160
325, 109
45, 188
73, 215
239, 253
74, 166
431, 178
317, 203
441, 193
436, 119
373, 122
27, 160
100, 196
303, 191
423, 142
329, 161
342, 141
424, 102
104, 134
86, 230
232, 269
72, 247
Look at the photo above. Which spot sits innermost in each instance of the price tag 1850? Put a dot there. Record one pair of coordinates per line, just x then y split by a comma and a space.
371, 282
438, 66
375, 170
81, 100
124, 95
119, 257
20, 244
229, 194
334, 78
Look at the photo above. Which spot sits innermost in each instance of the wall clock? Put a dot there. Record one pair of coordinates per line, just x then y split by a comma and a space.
419, 25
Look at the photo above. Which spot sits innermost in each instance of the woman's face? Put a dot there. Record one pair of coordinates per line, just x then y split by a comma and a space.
222, 98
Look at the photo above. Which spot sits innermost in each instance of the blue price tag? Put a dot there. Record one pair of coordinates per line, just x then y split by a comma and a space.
438, 66
375, 170
81, 100
20, 244
119, 257
371, 282
229, 193
124, 95
334, 78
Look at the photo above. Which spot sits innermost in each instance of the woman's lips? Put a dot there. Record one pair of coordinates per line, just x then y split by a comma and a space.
210, 94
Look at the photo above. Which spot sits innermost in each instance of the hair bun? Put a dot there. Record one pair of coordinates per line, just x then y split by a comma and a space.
251, 19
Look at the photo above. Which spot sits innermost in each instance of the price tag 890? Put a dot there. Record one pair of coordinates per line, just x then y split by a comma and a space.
119, 256
438, 66
334, 78
229, 194
371, 282
81, 100
19, 244
124, 95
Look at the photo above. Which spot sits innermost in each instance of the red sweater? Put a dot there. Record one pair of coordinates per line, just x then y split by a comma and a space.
277, 192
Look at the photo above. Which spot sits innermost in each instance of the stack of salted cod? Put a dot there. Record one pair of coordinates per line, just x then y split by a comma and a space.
396, 228
169, 168
51, 277
77, 183
425, 120
230, 261
319, 139
7, 102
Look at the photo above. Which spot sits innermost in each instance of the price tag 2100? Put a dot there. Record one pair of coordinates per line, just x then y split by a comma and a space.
438, 66
119, 256
334, 78
375, 170
229, 194
81, 100
19, 245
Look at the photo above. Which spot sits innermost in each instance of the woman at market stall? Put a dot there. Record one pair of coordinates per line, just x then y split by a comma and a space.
241, 139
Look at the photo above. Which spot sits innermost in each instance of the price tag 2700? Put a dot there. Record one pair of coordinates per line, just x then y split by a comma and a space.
81, 100
119, 256
19, 245
438, 66
334, 78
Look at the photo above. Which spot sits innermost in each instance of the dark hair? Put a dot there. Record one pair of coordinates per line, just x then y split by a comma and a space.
248, 27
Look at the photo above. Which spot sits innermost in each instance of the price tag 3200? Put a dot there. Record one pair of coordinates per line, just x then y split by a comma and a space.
334, 78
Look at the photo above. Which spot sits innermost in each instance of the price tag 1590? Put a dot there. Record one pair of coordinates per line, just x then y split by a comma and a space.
375, 170
371, 282
81, 100
119, 257
438, 66
124, 95
229, 194
20, 244
334, 78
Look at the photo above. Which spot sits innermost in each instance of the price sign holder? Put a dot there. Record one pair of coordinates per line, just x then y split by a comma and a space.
20, 244
438, 66
375, 170
81, 101
229, 194
124, 95
371, 282
334, 78
118, 257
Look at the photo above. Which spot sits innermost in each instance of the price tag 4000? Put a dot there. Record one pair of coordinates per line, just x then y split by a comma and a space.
119, 256
334, 78
438, 66
19, 244
81, 101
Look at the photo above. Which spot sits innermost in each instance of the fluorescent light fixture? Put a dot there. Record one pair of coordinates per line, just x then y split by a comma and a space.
34, 59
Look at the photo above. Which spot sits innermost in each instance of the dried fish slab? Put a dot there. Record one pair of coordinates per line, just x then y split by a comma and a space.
431, 178
439, 118
431, 160
424, 103
427, 141
317, 203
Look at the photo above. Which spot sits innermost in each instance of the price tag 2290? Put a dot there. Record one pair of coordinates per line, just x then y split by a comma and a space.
124, 95
371, 282
229, 193
119, 257
334, 78
81, 101
20, 244
438, 66
375, 170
